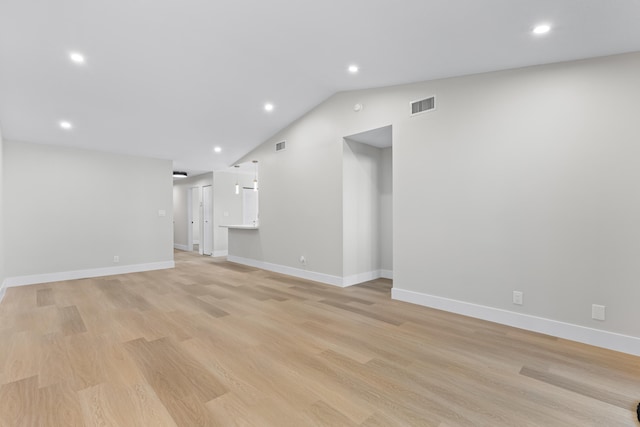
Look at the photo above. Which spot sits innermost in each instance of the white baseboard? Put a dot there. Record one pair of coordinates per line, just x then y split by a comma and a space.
354, 279
85, 274
3, 288
296, 272
181, 247
342, 282
365, 277
583, 334
220, 253
196, 242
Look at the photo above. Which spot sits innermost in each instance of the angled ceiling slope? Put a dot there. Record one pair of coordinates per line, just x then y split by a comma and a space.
174, 80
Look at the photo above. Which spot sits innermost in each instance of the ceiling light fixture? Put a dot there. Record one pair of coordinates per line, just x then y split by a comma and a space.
268, 107
542, 29
65, 125
217, 149
353, 69
76, 57
179, 174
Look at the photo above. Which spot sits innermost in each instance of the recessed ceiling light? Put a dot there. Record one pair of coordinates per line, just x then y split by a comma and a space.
179, 174
217, 149
542, 29
65, 125
268, 107
353, 69
76, 57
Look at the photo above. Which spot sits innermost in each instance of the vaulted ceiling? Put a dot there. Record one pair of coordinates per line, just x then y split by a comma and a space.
175, 79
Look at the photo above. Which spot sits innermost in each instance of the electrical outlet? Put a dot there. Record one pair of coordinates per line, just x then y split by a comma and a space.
597, 312
517, 297
116, 258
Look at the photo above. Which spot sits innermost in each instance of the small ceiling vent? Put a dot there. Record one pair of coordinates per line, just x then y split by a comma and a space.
423, 105
280, 146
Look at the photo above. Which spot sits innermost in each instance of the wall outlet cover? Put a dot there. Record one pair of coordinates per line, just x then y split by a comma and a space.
598, 312
518, 297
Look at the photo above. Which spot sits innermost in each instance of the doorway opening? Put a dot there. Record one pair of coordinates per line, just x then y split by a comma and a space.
193, 221
207, 220
368, 205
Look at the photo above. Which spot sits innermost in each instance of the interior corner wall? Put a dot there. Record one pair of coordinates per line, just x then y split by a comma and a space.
2, 251
361, 170
385, 185
181, 188
69, 210
227, 206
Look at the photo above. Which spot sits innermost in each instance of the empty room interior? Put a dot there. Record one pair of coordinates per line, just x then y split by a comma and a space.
337, 213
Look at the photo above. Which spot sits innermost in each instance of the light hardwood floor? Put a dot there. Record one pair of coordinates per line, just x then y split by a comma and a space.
212, 343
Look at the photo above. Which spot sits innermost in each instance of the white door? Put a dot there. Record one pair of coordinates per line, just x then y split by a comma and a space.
207, 214
249, 207
195, 215
193, 218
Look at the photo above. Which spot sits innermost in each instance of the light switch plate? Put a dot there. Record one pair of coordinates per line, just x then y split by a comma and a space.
162, 212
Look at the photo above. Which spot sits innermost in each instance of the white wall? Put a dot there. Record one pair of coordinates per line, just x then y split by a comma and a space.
300, 197
361, 169
181, 188
367, 191
528, 181
2, 251
227, 206
523, 179
385, 186
83, 207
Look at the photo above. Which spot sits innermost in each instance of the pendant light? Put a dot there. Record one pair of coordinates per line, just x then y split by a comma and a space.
237, 184
255, 178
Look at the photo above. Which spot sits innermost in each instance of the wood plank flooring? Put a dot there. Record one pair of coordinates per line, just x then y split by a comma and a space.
211, 343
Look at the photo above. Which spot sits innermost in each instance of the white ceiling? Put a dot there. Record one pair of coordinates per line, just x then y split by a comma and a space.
172, 79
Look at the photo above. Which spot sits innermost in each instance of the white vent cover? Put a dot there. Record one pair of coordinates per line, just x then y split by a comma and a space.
423, 105
280, 145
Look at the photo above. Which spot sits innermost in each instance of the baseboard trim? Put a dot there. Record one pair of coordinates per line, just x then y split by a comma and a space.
386, 274
181, 247
596, 337
219, 253
3, 288
290, 271
342, 282
354, 279
85, 274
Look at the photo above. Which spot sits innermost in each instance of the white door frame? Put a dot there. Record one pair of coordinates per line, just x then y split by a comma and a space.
190, 218
207, 235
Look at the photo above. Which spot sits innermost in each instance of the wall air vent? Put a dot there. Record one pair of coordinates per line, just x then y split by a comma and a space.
423, 105
280, 146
